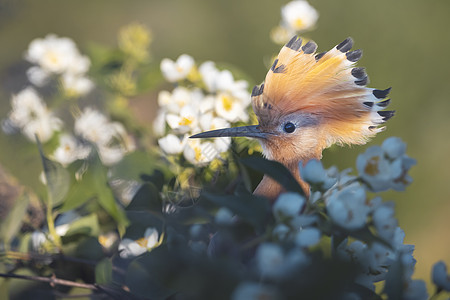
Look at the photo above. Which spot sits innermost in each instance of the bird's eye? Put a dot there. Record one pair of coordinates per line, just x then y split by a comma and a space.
289, 127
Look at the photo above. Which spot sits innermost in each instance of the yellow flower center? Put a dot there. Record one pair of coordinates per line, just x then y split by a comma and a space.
52, 57
142, 242
227, 102
198, 153
180, 69
298, 23
372, 166
185, 121
103, 240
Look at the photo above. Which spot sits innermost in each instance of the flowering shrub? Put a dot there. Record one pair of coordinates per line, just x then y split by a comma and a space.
126, 218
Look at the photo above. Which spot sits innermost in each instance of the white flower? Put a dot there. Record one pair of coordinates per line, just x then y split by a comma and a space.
380, 171
209, 74
280, 34
314, 173
270, 259
394, 147
355, 252
308, 237
379, 258
79, 66
76, 84
159, 123
171, 144
125, 189
179, 98
179, 70
224, 216
111, 154
95, 127
209, 122
69, 150
230, 108
207, 104
200, 153
399, 183
253, 291
288, 205
385, 221
299, 15
37, 239
375, 169
108, 239
185, 121
129, 248
57, 55
64, 220
37, 76
281, 231
110, 138
440, 276
30, 114
223, 81
415, 290
26, 105
43, 127
347, 207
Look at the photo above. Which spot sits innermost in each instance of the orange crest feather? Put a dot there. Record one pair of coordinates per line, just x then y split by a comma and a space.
326, 85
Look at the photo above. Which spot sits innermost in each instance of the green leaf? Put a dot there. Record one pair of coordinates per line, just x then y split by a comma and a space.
147, 198
13, 221
136, 164
147, 275
103, 271
87, 225
275, 170
104, 193
57, 178
93, 184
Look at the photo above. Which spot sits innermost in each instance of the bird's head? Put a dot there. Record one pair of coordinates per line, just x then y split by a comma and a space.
310, 101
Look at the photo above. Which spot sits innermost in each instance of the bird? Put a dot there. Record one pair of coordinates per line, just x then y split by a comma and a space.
308, 102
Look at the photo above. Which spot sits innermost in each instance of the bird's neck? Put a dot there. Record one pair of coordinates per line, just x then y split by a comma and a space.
271, 189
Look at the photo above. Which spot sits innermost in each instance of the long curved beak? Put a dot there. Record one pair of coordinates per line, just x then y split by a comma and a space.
247, 131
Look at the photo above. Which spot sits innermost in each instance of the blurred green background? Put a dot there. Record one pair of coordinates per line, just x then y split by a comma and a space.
405, 43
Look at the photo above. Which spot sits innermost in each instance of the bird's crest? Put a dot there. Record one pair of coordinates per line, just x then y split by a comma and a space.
326, 85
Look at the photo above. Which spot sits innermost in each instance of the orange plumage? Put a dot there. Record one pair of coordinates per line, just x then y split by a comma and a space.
326, 85
308, 102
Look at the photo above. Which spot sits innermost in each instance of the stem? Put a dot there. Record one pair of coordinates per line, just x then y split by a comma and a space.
49, 204
53, 281
51, 224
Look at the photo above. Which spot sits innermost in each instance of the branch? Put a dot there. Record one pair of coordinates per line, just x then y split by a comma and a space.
54, 281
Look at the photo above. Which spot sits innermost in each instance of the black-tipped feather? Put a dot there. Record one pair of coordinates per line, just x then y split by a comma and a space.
320, 55
257, 90
295, 43
386, 114
310, 47
368, 104
354, 56
359, 73
280, 69
381, 94
384, 103
362, 81
345, 45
